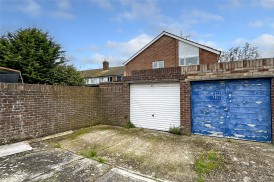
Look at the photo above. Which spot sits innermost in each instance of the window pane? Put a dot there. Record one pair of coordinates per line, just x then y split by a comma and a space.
182, 62
192, 61
161, 64
154, 65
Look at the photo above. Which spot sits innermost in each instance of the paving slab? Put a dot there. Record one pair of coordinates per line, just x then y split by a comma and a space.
14, 148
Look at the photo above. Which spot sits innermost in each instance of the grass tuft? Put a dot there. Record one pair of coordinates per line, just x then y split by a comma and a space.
175, 130
89, 154
129, 125
101, 160
92, 154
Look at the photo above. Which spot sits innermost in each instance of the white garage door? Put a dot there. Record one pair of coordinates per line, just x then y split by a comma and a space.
155, 105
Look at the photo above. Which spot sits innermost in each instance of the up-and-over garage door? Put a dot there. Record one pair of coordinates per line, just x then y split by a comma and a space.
232, 108
155, 105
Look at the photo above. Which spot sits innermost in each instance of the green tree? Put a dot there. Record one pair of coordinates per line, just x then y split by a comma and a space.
36, 55
68, 75
247, 52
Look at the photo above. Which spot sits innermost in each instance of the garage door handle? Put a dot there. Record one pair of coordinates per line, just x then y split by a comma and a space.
152, 115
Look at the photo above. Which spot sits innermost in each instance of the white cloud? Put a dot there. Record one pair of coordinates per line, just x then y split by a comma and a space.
202, 16
267, 3
127, 49
31, 8
63, 10
104, 4
264, 43
146, 9
256, 24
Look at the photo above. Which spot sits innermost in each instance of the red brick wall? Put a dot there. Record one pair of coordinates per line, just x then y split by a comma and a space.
207, 57
165, 48
162, 74
30, 111
185, 107
115, 103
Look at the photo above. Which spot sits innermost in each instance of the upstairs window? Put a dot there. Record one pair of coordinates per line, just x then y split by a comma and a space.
188, 54
158, 64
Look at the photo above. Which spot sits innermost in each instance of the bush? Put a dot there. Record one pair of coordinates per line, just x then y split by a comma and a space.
129, 125
175, 130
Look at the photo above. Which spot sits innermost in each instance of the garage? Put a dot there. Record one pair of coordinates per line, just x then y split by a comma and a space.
155, 105
232, 108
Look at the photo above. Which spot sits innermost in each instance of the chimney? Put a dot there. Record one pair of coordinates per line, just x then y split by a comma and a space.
105, 65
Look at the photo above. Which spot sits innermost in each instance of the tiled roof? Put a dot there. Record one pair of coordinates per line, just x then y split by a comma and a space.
113, 71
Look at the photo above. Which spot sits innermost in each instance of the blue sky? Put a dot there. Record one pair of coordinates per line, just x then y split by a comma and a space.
93, 30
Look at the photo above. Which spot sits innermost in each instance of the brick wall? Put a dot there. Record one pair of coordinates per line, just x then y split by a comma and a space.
185, 107
115, 103
30, 111
161, 74
165, 48
206, 57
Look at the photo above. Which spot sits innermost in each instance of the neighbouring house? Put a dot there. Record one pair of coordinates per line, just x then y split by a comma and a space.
169, 50
107, 74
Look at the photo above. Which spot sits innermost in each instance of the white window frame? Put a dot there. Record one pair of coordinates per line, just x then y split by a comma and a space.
156, 64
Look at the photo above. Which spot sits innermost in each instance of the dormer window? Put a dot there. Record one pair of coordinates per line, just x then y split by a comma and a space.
188, 54
158, 64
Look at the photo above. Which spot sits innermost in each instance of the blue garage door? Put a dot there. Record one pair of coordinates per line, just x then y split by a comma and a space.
232, 108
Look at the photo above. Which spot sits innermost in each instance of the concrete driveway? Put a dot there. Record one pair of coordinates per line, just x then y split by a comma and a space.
45, 163
173, 157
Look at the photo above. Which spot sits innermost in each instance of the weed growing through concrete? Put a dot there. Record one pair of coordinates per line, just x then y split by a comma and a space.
89, 154
129, 125
175, 130
101, 160
208, 162
92, 154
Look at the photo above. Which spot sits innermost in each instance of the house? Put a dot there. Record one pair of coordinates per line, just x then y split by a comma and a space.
106, 75
169, 50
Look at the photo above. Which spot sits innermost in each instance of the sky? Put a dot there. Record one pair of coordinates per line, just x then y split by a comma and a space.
91, 31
